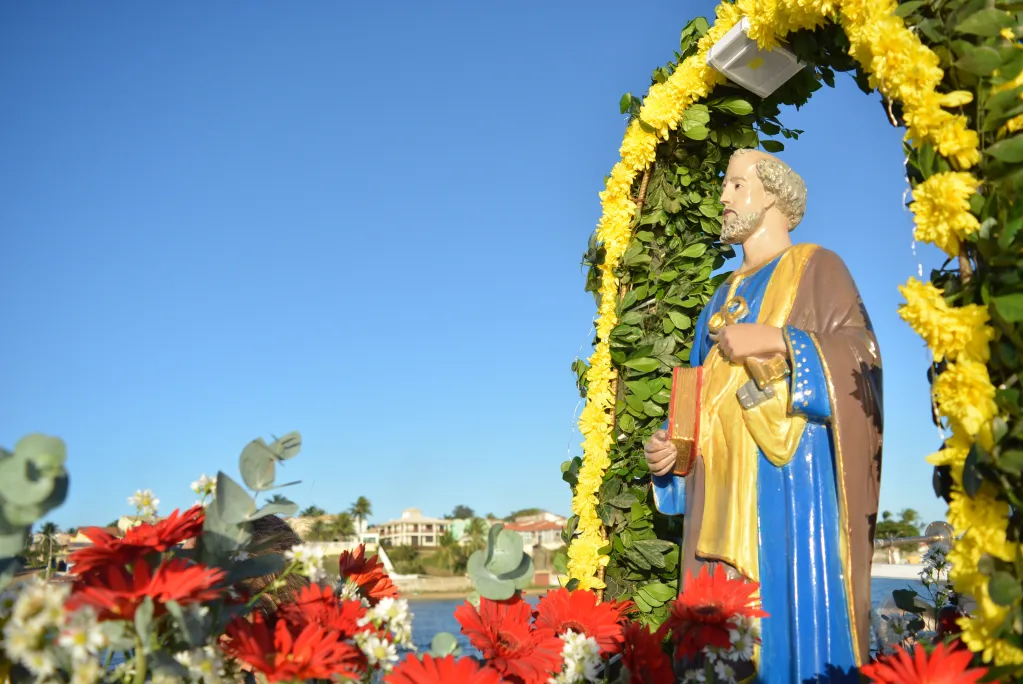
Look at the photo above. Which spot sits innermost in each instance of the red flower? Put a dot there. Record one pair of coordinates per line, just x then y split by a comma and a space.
562, 610
943, 666
367, 573
644, 657
445, 670
115, 592
283, 653
318, 605
706, 609
137, 542
501, 631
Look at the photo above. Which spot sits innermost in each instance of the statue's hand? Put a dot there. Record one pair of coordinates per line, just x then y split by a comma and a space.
740, 341
660, 453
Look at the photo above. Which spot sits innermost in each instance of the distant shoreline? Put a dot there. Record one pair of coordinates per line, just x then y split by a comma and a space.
455, 595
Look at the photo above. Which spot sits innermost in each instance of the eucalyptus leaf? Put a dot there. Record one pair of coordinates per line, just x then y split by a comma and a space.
288, 446
257, 466
444, 644
232, 503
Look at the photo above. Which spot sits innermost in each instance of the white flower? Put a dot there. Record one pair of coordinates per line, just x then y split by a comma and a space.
205, 664
379, 652
347, 590
41, 663
86, 672
205, 486
20, 640
694, 676
33, 624
724, 672
743, 635
393, 615
309, 558
144, 501
81, 636
581, 659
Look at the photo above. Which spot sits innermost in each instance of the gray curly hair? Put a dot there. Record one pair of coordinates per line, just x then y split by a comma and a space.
787, 186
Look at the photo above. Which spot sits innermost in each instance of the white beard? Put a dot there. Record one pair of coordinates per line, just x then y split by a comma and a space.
736, 228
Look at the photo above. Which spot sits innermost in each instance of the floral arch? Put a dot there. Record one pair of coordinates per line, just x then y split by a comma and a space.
951, 72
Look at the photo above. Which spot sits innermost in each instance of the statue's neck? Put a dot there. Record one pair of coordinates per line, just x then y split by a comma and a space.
764, 245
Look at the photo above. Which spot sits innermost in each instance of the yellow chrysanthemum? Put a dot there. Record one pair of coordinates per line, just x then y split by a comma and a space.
941, 205
948, 331
964, 393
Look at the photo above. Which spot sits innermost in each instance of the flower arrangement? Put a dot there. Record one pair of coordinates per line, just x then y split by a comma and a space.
189, 598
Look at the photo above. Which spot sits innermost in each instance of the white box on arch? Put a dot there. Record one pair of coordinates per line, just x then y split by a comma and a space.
738, 57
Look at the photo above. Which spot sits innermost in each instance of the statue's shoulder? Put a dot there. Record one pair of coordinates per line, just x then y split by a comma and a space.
817, 256
822, 266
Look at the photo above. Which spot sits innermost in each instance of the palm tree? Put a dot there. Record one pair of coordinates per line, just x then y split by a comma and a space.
312, 512
343, 526
320, 531
278, 499
476, 532
449, 551
49, 532
361, 510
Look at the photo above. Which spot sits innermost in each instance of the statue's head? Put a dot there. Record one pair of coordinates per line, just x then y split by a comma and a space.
759, 188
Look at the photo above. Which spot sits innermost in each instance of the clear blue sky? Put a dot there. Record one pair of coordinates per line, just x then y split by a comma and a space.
363, 221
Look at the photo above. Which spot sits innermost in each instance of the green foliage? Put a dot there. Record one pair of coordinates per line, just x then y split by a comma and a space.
462, 513
502, 568
475, 534
522, 512
966, 36
449, 554
33, 482
313, 511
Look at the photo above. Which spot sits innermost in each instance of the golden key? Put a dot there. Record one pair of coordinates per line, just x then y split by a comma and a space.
762, 371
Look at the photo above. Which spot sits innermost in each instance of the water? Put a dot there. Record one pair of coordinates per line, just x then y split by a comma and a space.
430, 617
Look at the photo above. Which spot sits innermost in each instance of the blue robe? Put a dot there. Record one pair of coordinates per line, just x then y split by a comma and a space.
805, 585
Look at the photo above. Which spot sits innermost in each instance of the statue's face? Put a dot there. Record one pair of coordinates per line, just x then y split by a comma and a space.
744, 198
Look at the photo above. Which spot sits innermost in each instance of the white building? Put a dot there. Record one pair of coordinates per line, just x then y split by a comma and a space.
412, 529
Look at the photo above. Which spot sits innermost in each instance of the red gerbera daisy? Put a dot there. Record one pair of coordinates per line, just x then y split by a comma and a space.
562, 610
367, 573
943, 666
706, 609
283, 653
644, 657
319, 606
445, 670
137, 542
115, 592
501, 631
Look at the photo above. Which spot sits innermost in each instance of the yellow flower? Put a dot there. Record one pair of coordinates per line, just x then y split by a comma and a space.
965, 395
948, 331
941, 205
953, 453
